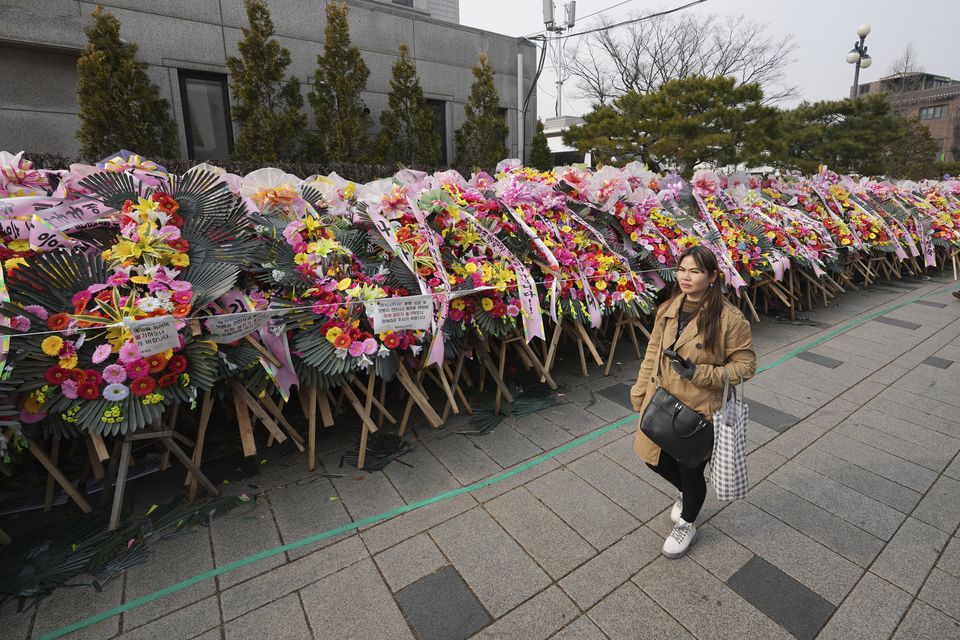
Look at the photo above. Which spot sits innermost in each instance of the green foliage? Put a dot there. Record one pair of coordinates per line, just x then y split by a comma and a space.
481, 139
119, 107
266, 104
859, 136
683, 123
408, 135
540, 155
342, 118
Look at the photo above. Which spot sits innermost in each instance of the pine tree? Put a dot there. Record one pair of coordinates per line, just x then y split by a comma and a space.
342, 118
408, 134
119, 107
541, 156
266, 105
481, 139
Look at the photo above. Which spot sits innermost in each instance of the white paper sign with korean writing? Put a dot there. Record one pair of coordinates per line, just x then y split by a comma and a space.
230, 328
154, 335
401, 314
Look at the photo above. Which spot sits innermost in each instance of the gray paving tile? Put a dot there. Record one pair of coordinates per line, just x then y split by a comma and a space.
541, 431
601, 575
67, 605
880, 462
637, 497
407, 525
682, 588
332, 606
909, 556
536, 619
17, 624
575, 420
830, 575
923, 621
833, 532
554, 545
619, 393
489, 492
366, 494
931, 303
950, 560
795, 439
467, 464
441, 606
925, 456
282, 619
941, 506
422, 476
582, 628
940, 363
823, 361
290, 577
629, 613
409, 561
872, 610
242, 533
903, 324
717, 552
786, 601
505, 445
305, 510
761, 463
171, 561
868, 483
940, 591
591, 514
770, 417
856, 508
183, 623
498, 570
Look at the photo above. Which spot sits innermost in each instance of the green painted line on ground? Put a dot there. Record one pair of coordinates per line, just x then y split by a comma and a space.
500, 477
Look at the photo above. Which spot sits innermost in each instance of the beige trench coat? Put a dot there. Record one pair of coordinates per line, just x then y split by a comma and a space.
704, 393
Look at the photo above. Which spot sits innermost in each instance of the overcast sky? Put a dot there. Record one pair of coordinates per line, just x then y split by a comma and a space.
825, 31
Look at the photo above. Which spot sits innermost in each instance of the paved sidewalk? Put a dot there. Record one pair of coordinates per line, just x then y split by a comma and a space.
850, 529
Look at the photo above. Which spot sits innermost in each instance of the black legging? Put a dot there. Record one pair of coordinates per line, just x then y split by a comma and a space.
688, 480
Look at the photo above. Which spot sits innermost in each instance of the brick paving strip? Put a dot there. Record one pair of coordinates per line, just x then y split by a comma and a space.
852, 517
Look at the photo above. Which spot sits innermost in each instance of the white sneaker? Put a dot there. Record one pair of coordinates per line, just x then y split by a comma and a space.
680, 539
677, 509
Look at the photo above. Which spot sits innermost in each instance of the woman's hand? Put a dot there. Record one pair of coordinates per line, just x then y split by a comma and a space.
685, 367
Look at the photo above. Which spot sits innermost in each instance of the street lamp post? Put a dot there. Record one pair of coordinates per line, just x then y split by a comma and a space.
859, 57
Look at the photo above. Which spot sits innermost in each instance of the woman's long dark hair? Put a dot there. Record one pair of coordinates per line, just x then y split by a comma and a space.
711, 304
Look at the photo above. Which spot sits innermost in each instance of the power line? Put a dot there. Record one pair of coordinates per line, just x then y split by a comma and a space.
650, 16
589, 15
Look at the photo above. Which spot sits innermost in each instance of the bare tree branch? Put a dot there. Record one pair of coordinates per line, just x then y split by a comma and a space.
644, 55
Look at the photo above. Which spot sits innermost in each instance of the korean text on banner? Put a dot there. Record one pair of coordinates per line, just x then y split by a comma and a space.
401, 314
154, 335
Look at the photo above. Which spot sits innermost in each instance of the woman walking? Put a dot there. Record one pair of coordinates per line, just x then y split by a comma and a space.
697, 336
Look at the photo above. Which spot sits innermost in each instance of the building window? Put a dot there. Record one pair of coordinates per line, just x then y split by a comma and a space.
439, 109
206, 115
934, 112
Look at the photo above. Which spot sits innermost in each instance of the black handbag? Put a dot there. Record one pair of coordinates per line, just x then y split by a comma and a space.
682, 432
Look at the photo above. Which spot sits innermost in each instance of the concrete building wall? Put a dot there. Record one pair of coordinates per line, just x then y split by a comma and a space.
40, 41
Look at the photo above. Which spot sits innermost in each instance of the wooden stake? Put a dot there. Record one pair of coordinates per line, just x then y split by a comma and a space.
43, 459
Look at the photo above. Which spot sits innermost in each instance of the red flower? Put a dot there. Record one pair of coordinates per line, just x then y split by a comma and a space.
391, 341
77, 375
142, 386
179, 245
177, 364
58, 322
156, 363
167, 202
56, 375
181, 310
342, 341
88, 391
168, 379
137, 368
93, 377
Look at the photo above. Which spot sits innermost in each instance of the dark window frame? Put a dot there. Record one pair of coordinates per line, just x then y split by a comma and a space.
438, 108
185, 74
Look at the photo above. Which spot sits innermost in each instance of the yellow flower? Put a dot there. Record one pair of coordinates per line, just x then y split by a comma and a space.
32, 405
18, 245
487, 304
628, 295
601, 285
471, 267
145, 206
344, 284
180, 260
68, 363
458, 304
332, 333
13, 263
52, 345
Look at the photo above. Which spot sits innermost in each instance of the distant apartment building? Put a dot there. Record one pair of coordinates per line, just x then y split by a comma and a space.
186, 45
932, 98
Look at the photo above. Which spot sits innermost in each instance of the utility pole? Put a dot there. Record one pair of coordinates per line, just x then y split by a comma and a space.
549, 22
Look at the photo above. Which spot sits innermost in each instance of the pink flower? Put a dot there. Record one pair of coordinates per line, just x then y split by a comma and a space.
456, 314
69, 389
181, 297
67, 350
170, 232
370, 346
118, 279
136, 368
114, 373
129, 352
101, 353
513, 310
20, 323
36, 310
81, 298
180, 285
355, 349
706, 183
32, 418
